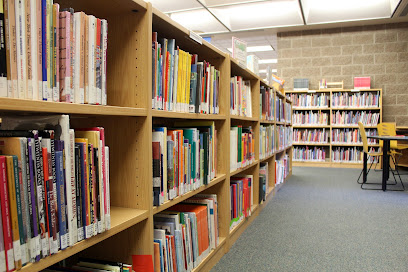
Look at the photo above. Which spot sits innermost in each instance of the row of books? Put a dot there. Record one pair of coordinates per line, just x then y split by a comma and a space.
351, 154
242, 147
266, 140
185, 233
180, 82
267, 104
353, 117
263, 181
52, 54
241, 194
283, 137
288, 136
357, 100
240, 97
54, 187
86, 265
311, 136
319, 100
348, 135
309, 154
281, 169
310, 118
184, 158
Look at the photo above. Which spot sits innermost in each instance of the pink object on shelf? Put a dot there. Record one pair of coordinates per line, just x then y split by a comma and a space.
362, 82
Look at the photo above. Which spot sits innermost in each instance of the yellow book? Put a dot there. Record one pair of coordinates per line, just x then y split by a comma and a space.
183, 80
188, 81
179, 80
13, 211
50, 50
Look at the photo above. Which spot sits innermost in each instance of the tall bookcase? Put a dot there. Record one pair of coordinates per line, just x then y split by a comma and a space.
330, 125
128, 122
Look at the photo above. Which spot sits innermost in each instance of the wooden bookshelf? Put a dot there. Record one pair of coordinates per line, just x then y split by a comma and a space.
128, 121
331, 110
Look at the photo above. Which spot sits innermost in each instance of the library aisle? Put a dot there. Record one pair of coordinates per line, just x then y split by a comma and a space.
320, 220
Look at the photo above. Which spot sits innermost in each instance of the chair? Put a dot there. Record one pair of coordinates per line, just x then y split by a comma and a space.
374, 155
390, 129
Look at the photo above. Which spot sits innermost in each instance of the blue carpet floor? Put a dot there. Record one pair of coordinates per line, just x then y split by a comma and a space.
320, 220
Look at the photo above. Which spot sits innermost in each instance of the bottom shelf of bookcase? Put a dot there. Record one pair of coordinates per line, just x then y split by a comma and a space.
327, 164
210, 255
121, 219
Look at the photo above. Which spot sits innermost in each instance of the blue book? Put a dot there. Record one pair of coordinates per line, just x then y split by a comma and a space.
44, 48
61, 199
161, 254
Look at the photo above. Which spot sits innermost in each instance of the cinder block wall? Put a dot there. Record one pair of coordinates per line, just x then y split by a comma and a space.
379, 51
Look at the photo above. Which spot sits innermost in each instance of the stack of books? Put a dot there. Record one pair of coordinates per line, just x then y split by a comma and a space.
280, 170
184, 158
352, 118
242, 147
356, 100
308, 136
52, 54
309, 154
310, 118
266, 141
320, 100
54, 186
267, 105
241, 193
241, 97
186, 233
180, 82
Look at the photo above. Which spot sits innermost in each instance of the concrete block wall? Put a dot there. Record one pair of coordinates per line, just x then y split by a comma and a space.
379, 51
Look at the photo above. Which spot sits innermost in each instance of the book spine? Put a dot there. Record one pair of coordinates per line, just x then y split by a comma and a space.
11, 43
82, 57
104, 56
3, 266
44, 49
91, 191
50, 50
3, 60
65, 67
13, 211
55, 53
107, 186
91, 60
98, 63
71, 194
53, 196
47, 197
76, 55
28, 52
35, 247
97, 190
72, 42
61, 199
41, 196
78, 173
5, 212
36, 25
21, 51
22, 171
87, 54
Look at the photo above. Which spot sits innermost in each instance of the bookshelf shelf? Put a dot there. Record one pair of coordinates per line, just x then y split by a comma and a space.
353, 144
234, 229
242, 169
351, 126
312, 144
179, 199
311, 126
243, 118
280, 123
121, 219
311, 108
267, 158
185, 115
25, 105
213, 252
356, 108
268, 122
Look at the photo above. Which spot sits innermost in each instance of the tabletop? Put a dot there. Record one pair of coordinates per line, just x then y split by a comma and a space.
391, 138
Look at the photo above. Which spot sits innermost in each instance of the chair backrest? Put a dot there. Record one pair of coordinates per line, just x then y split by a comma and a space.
387, 129
363, 136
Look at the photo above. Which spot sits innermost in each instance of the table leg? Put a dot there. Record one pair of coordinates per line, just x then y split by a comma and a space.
386, 164
364, 167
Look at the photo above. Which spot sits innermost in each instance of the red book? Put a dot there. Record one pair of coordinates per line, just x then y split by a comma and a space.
5, 213
46, 181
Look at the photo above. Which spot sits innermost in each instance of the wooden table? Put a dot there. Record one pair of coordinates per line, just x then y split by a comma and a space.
386, 158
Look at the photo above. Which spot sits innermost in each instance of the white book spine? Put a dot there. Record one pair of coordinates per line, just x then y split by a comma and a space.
34, 48
104, 45
101, 223
91, 60
21, 52
71, 195
77, 57
107, 212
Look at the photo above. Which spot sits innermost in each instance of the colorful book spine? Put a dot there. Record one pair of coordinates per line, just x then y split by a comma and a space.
3, 62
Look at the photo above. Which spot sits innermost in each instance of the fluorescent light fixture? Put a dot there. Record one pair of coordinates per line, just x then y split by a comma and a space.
331, 11
167, 6
274, 70
262, 71
262, 14
199, 21
260, 48
265, 61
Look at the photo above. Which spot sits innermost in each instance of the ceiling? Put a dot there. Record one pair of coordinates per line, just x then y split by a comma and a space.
258, 21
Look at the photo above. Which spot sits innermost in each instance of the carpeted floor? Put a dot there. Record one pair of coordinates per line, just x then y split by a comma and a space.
321, 220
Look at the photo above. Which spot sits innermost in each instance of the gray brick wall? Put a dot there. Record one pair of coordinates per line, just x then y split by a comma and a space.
379, 51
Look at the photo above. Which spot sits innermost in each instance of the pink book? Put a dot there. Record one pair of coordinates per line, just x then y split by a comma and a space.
65, 56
